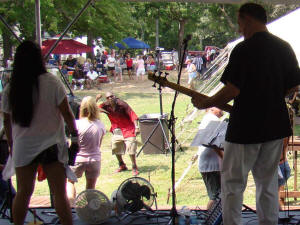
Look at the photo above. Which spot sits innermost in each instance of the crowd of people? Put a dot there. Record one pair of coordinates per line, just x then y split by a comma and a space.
83, 73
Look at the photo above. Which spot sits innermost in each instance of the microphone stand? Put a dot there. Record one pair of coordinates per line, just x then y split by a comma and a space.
174, 213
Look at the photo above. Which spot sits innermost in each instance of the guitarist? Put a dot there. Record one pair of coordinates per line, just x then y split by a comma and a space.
254, 137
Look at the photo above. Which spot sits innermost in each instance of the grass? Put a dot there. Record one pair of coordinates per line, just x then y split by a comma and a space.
157, 167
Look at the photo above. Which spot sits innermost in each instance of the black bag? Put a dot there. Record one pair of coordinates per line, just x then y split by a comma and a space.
4, 153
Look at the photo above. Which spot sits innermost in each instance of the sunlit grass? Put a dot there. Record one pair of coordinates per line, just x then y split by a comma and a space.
157, 167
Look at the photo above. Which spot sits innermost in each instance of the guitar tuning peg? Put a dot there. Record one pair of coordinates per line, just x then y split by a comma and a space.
166, 74
154, 85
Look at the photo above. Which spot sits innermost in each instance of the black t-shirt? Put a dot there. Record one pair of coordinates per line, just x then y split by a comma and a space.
263, 68
70, 63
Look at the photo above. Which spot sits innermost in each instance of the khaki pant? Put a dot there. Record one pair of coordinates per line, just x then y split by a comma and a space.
120, 145
262, 159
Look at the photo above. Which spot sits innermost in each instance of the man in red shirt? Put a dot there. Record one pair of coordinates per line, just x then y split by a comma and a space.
124, 126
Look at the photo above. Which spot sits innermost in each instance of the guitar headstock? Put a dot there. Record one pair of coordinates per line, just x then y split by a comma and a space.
162, 80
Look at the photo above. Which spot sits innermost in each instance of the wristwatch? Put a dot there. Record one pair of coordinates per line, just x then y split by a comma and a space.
74, 136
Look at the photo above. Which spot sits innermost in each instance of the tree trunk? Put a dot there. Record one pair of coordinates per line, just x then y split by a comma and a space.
142, 31
90, 40
231, 24
180, 38
7, 45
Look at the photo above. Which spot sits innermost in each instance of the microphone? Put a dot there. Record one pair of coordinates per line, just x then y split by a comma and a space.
187, 39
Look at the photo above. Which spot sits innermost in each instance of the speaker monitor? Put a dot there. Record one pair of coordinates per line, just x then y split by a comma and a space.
157, 143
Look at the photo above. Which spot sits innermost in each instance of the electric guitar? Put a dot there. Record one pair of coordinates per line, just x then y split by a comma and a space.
165, 83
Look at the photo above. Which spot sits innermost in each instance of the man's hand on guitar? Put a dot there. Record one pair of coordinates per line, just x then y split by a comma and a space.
198, 103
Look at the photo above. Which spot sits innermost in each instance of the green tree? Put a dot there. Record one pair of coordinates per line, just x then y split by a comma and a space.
209, 24
108, 19
20, 15
175, 19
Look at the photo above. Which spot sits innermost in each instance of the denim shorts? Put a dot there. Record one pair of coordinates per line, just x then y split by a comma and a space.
286, 173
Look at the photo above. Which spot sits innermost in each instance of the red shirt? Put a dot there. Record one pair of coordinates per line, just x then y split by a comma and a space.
129, 62
123, 117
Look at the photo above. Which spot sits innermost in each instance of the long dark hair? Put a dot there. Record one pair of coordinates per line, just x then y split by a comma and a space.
24, 87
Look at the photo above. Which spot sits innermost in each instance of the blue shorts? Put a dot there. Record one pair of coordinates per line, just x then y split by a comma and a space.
286, 173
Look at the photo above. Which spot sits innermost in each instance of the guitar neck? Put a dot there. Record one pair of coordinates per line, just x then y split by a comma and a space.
186, 91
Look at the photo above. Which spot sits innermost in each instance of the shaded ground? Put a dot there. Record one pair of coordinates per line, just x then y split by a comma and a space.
138, 86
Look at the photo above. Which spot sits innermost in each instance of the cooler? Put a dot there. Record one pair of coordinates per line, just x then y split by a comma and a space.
103, 78
169, 67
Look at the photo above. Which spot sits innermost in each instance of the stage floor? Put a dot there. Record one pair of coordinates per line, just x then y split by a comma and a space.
158, 217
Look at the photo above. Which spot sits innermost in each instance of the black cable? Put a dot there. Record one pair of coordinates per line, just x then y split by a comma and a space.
141, 216
286, 191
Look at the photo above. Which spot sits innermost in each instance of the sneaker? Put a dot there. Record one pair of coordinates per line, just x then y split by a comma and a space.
121, 168
135, 171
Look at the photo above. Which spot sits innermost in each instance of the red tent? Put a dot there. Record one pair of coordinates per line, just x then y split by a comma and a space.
65, 46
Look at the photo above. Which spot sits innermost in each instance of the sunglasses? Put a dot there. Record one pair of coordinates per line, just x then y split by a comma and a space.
108, 97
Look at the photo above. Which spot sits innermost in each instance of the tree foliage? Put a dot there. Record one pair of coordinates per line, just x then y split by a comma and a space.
113, 20
108, 19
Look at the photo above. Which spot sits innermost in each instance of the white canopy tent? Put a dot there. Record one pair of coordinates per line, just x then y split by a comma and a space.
287, 28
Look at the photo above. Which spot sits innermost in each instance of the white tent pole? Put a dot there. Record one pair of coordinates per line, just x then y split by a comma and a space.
38, 22
68, 27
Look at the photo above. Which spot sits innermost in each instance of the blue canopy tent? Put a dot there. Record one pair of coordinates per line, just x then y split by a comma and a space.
133, 43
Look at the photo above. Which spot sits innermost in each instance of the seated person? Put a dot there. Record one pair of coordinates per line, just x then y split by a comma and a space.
92, 78
78, 79
64, 71
87, 65
70, 62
